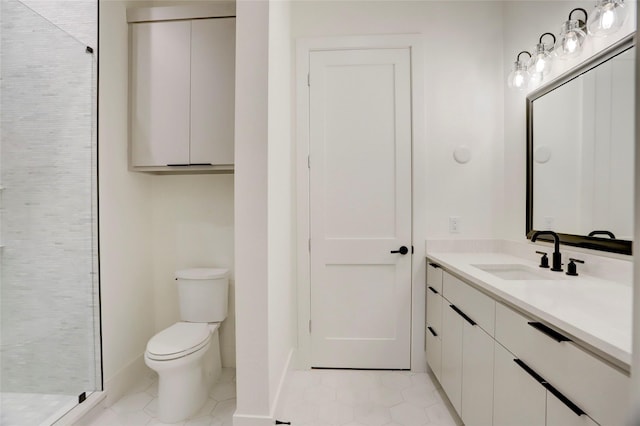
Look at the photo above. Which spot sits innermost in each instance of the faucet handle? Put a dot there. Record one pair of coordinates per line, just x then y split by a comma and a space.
571, 267
544, 260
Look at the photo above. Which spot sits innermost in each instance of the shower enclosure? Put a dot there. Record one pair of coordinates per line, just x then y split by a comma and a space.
50, 354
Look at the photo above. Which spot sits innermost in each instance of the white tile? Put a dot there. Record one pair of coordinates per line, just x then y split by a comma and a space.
224, 410
408, 415
420, 395
134, 418
385, 396
372, 414
156, 422
223, 391
352, 396
227, 375
152, 408
132, 402
319, 394
335, 412
397, 381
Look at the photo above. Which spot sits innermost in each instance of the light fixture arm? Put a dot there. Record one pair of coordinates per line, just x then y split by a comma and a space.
581, 23
542, 36
524, 51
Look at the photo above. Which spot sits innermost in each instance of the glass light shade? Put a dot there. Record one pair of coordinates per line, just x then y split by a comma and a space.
607, 17
542, 61
572, 38
519, 77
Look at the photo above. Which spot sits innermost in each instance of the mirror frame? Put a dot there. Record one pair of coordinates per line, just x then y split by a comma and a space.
593, 243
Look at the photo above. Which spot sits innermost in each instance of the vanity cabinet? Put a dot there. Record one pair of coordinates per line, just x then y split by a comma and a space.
182, 78
467, 350
502, 367
584, 381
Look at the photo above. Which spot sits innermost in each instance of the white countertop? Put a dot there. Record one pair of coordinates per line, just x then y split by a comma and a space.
595, 311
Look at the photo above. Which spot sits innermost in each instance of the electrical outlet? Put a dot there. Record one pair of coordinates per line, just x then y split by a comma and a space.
454, 224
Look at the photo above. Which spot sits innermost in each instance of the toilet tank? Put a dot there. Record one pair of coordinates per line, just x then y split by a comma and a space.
203, 294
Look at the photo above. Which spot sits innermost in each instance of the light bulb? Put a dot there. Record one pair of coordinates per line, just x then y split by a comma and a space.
519, 77
607, 17
571, 40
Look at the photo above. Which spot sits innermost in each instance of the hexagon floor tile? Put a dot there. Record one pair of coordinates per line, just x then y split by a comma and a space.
309, 398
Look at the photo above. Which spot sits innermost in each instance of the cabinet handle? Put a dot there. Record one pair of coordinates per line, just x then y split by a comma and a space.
566, 401
433, 290
462, 314
538, 378
178, 165
434, 265
549, 331
432, 331
200, 164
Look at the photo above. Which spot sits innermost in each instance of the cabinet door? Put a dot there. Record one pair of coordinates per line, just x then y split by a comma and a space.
477, 376
434, 330
452, 326
159, 87
518, 399
558, 414
212, 91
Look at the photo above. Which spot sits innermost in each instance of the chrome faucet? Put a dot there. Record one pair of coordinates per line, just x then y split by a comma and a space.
556, 264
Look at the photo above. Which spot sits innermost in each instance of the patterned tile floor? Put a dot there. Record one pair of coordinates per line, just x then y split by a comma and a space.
140, 406
364, 398
309, 398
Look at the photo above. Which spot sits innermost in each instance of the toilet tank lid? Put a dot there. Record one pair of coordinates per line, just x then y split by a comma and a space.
201, 273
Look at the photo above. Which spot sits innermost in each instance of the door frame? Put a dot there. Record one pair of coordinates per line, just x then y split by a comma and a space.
304, 47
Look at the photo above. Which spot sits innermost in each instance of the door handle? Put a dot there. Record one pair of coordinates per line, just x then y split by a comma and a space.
402, 250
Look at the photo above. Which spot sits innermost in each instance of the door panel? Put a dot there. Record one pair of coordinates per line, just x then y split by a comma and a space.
360, 203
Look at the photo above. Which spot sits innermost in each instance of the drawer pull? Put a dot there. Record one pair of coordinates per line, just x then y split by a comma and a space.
462, 314
549, 332
566, 401
433, 290
432, 331
434, 265
529, 371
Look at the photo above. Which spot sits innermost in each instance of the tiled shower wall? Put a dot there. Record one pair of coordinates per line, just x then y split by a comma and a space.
48, 282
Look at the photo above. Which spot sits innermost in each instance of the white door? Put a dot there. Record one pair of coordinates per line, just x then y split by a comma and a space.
360, 204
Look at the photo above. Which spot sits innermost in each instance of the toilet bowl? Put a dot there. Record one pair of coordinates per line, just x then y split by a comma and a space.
186, 355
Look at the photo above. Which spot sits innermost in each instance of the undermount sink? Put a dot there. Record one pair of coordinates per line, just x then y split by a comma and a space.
514, 271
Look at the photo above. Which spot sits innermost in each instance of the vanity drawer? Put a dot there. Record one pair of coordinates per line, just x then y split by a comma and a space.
434, 310
597, 388
477, 306
434, 276
434, 353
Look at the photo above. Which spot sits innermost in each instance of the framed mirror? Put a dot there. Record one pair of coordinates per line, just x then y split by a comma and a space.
580, 153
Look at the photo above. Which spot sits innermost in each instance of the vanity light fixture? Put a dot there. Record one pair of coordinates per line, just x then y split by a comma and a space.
572, 36
542, 60
607, 17
519, 77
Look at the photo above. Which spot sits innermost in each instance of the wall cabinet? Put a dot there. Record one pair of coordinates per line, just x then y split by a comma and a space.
182, 78
500, 367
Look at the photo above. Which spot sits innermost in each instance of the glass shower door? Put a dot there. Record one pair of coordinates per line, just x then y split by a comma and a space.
49, 293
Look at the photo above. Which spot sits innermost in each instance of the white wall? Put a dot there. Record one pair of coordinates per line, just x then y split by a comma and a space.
125, 212
524, 22
281, 201
463, 92
251, 209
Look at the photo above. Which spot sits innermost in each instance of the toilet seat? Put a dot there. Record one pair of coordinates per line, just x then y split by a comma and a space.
177, 341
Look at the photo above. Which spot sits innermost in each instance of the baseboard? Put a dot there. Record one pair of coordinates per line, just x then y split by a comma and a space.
253, 420
248, 420
118, 385
283, 380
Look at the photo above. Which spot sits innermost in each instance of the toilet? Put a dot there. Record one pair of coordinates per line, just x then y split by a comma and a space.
186, 355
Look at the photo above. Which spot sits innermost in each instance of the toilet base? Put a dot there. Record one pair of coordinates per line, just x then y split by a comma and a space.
184, 383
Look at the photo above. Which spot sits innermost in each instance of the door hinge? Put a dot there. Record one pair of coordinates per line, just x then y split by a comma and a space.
309, 79
309, 326
308, 161
82, 397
